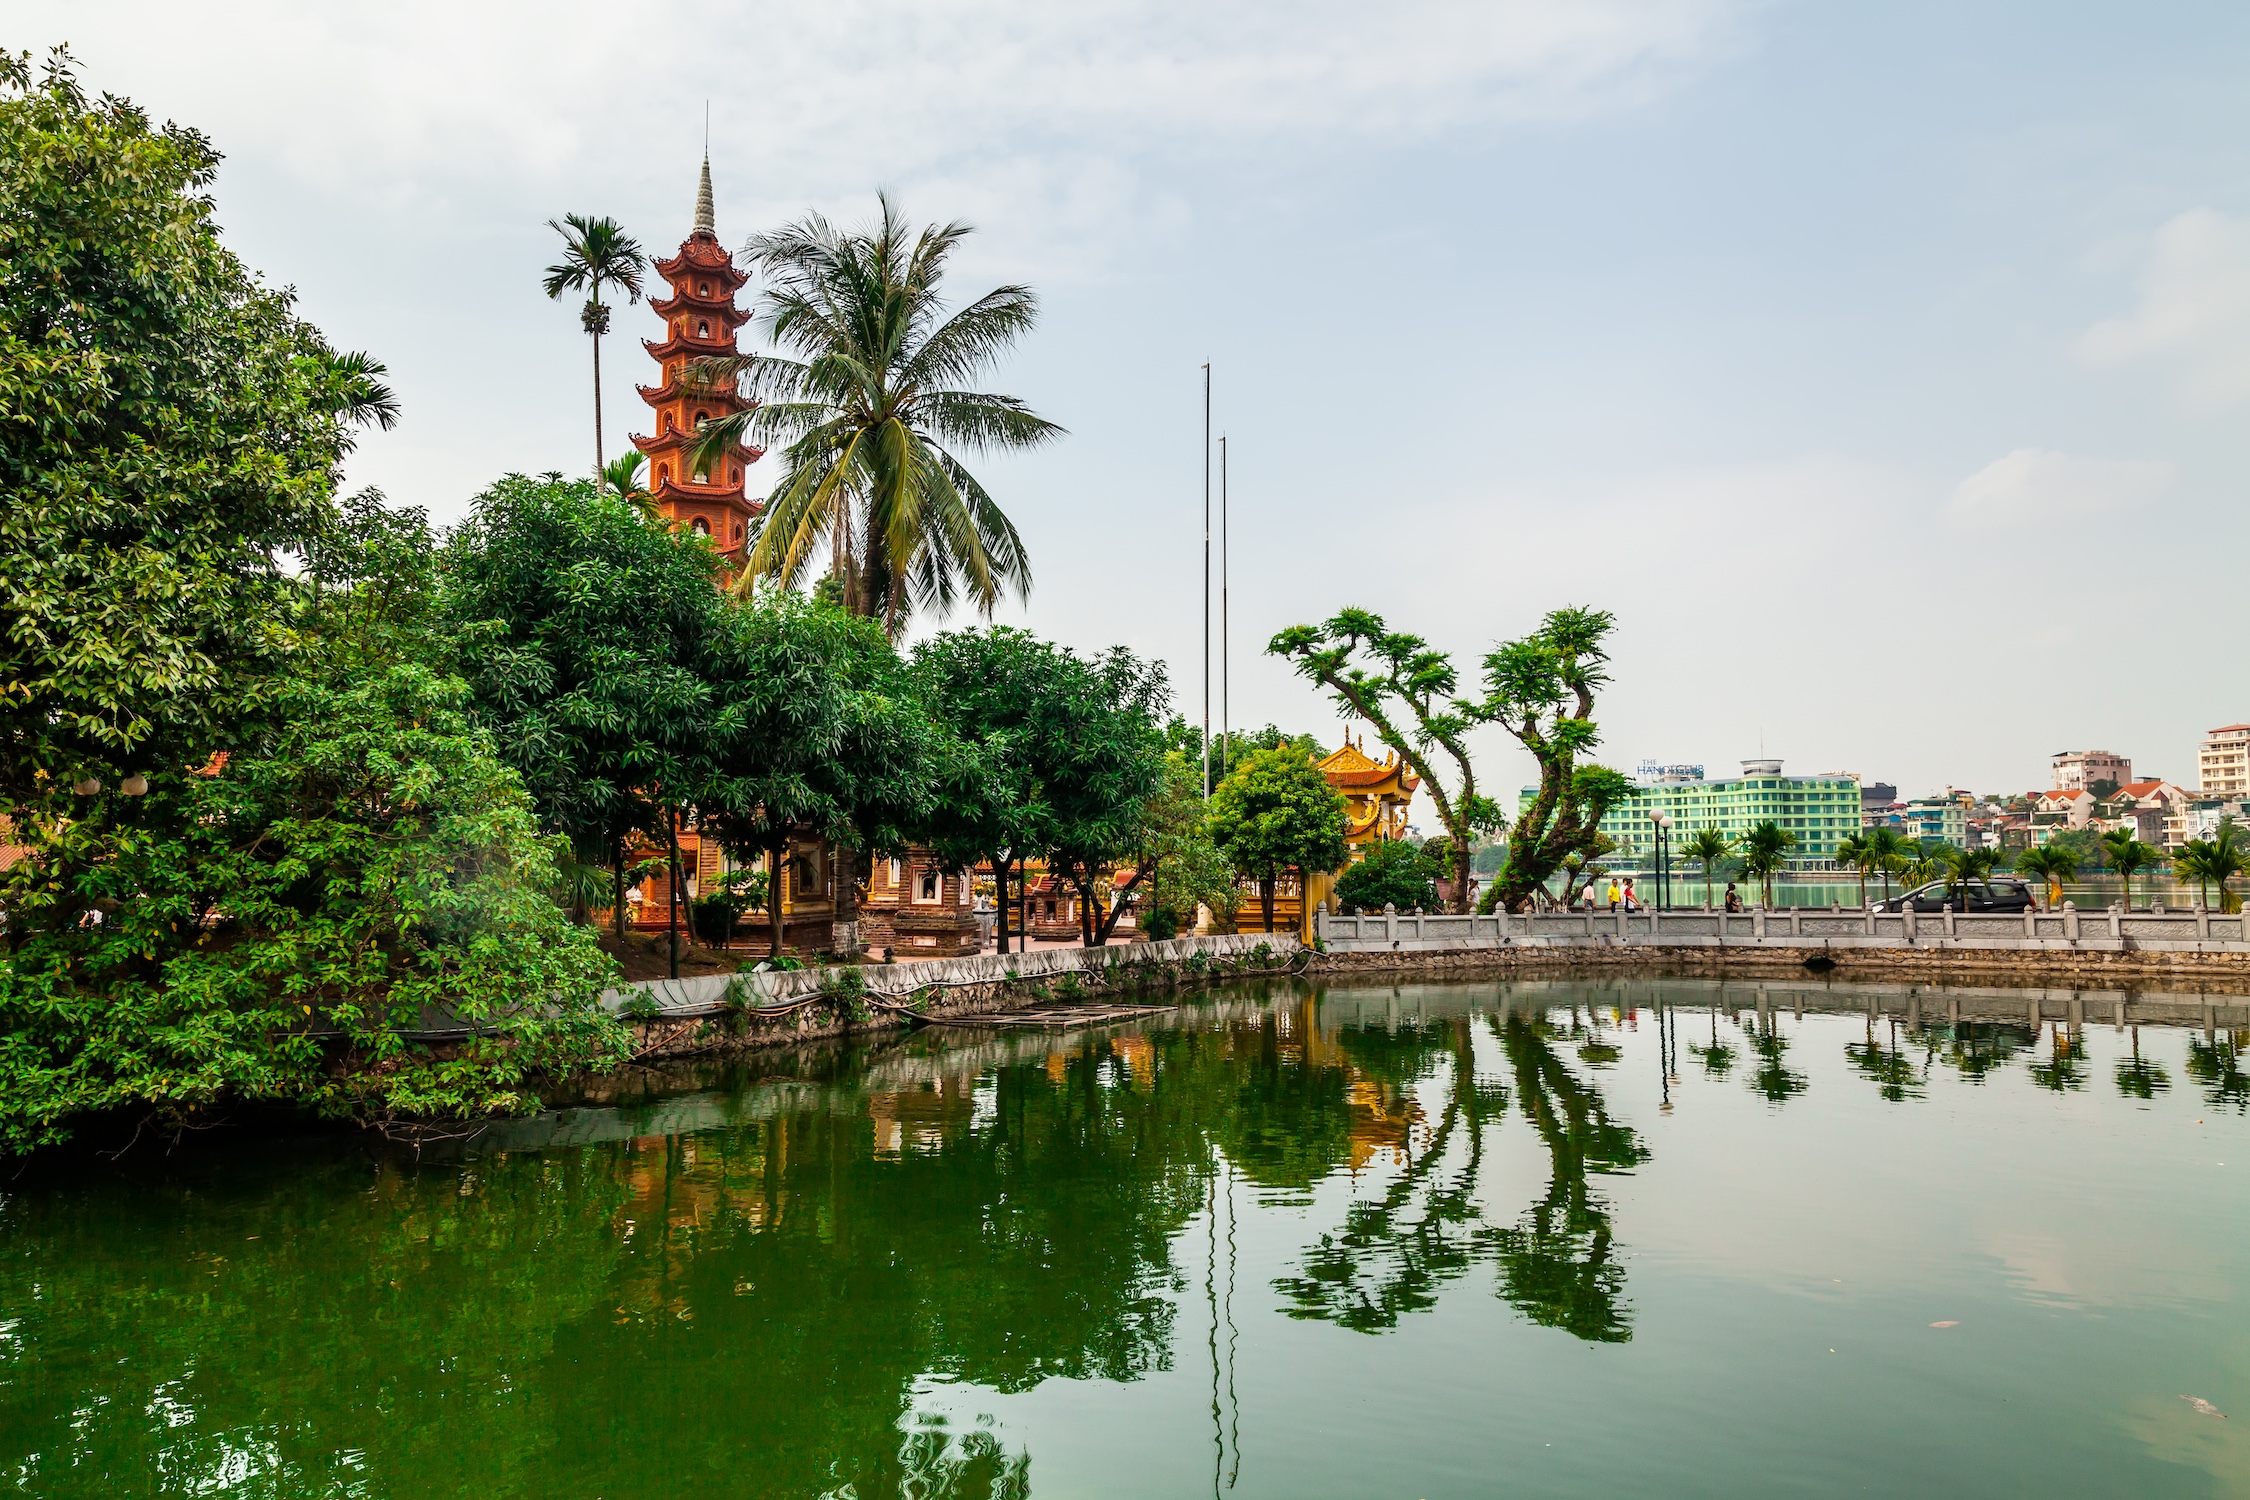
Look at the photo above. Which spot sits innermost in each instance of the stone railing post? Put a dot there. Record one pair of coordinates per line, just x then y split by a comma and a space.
2070, 920
1624, 924
1906, 910
2202, 922
1758, 924
1796, 923
2031, 921
1390, 923
1949, 920
2117, 921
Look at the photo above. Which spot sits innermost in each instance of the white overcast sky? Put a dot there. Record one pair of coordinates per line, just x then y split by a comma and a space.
1886, 368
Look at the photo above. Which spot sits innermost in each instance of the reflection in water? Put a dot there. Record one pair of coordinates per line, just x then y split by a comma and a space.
2139, 1077
1394, 1252
799, 1263
2216, 1064
2065, 1067
1886, 1064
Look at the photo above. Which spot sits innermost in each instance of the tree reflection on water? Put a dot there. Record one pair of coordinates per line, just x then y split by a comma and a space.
768, 1284
1394, 1252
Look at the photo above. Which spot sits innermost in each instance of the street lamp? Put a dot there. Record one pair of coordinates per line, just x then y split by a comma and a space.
1663, 822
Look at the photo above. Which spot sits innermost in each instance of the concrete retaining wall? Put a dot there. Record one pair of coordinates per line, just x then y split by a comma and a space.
709, 994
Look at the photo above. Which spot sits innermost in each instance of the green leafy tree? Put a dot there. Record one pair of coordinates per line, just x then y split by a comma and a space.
1102, 773
596, 253
1765, 853
1229, 746
276, 928
588, 635
169, 430
1409, 693
2128, 856
1275, 812
816, 727
1391, 872
1062, 758
2052, 863
1184, 868
874, 415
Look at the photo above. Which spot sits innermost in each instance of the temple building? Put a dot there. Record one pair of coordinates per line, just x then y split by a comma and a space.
1377, 795
700, 320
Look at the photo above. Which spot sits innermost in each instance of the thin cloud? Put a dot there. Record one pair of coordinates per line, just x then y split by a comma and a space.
2033, 485
2194, 310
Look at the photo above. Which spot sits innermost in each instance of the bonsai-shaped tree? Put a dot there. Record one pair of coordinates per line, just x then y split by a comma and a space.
1707, 847
1276, 812
2127, 854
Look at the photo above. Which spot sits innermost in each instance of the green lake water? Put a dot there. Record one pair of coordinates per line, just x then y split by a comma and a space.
1557, 1238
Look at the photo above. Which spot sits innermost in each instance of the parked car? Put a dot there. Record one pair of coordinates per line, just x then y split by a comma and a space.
2000, 895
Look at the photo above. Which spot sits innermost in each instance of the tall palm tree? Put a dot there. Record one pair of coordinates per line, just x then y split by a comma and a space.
1765, 851
2052, 863
596, 253
1707, 846
2125, 853
1853, 850
868, 393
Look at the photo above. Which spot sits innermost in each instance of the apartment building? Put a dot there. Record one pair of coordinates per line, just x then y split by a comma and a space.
2080, 769
2223, 767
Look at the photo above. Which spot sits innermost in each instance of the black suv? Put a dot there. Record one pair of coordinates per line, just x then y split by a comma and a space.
1965, 896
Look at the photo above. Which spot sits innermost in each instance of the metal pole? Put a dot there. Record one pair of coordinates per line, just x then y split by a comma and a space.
1226, 722
1207, 582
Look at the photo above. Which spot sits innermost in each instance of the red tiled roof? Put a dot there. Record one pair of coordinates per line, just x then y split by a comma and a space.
2224, 728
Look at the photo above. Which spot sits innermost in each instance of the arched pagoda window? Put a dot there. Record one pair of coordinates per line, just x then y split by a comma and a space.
702, 527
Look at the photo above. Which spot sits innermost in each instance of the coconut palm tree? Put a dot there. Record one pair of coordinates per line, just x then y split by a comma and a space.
1888, 851
1853, 850
875, 412
2214, 861
2052, 863
1765, 851
1920, 863
2127, 854
1965, 865
1707, 846
596, 253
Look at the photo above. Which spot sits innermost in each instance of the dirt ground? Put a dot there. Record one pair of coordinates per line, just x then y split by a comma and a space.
642, 957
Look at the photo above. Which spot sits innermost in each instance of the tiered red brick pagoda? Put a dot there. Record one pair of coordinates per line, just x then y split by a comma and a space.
700, 320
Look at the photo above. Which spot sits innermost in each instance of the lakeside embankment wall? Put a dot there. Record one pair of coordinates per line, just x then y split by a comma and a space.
717, 1012
2063, 961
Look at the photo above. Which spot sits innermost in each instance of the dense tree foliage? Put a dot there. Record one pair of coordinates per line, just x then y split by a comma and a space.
1392, 872
168, 430
589, 634
815, 727
1275, 813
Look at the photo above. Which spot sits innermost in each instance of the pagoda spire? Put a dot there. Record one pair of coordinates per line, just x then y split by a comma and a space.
704, 493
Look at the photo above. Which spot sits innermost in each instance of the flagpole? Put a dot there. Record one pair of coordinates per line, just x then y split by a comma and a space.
1226, 720
1206, 582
